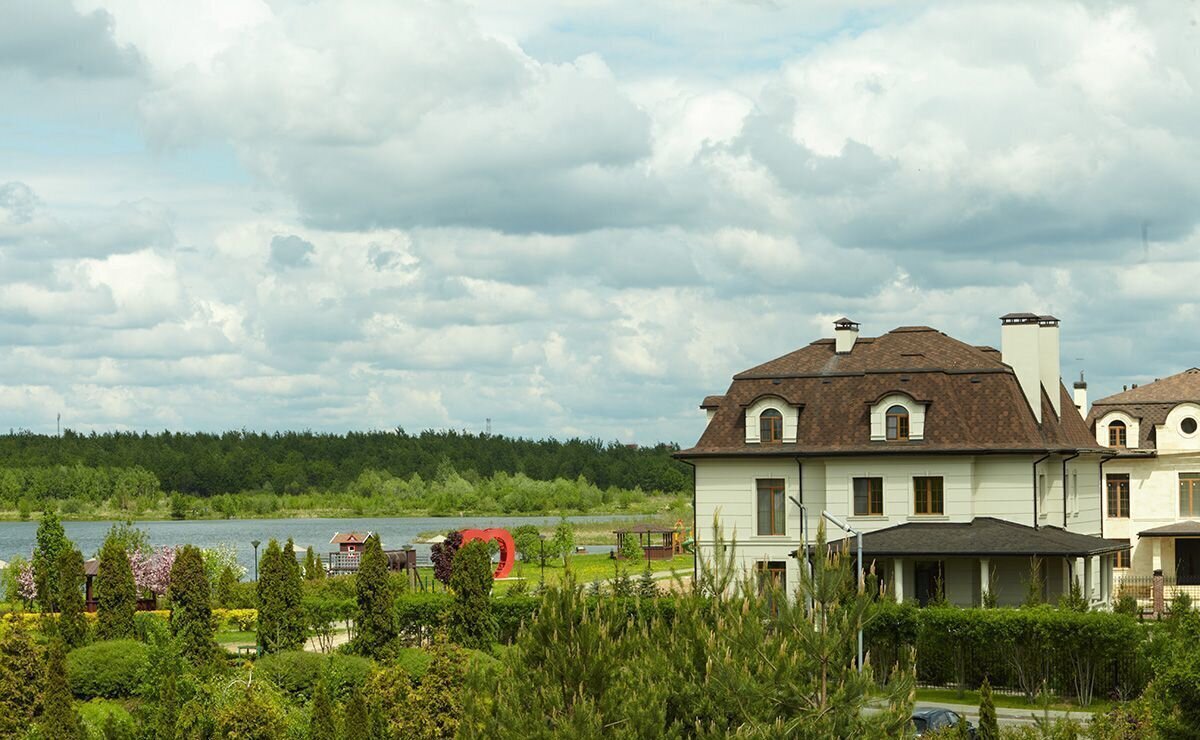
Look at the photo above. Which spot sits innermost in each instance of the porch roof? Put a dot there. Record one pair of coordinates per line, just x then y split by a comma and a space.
1186, 528
980, 537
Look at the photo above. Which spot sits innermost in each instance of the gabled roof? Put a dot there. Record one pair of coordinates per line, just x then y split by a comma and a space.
981, 537
975, 401
349, 538
1150, 403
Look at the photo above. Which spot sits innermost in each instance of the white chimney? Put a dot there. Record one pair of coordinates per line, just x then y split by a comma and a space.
1020, 347
845, 332
1081, 395
1048, 361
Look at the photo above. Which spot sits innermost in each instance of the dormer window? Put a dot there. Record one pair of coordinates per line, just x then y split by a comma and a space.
897, 423
1116, 434
770, 427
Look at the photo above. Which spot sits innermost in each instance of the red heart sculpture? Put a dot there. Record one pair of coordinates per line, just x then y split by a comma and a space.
508, 551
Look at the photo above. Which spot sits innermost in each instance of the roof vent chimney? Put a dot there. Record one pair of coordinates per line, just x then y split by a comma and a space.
1048, 361
845, 333
1081, 395
1020, 348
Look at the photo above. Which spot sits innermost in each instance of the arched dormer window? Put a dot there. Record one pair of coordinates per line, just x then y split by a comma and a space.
1116, 434
770, 427
897, 423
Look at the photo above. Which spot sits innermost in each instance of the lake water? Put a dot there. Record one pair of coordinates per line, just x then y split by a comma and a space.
17, 538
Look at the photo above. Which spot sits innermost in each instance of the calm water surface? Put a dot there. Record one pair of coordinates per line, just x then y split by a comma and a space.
17, 538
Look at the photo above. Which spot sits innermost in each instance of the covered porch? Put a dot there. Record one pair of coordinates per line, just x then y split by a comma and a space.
987, 561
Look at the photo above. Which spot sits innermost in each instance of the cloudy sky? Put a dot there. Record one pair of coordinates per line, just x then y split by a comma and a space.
575, 217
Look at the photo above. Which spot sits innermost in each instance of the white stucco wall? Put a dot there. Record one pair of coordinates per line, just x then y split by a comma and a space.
1153, 502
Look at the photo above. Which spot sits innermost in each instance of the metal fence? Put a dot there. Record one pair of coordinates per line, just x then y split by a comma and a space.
1141, 588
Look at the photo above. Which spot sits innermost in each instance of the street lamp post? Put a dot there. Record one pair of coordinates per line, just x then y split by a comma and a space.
256, 543
802, 553
542, 557
861, 583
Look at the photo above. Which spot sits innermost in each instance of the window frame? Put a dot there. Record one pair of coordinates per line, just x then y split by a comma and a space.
777, 508
1118, 434
903, 428
1123, 556
1111, 479
923, 492
874, 495
773, 417
1192, 481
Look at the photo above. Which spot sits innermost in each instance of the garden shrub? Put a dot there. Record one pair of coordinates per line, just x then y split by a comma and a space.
472, 623
296, 671
108, 669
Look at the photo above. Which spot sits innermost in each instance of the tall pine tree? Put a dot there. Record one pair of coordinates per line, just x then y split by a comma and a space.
21, 677
322, 724
191, 606
279, 611
59, 718
51, 541
989, 728
294, 595
116, 593
377, 627
70, 580
313, 569
472, 623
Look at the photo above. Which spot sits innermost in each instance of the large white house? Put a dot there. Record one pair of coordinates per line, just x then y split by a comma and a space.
1152, 484
961, 464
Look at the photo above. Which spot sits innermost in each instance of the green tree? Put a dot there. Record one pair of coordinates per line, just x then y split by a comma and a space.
70, 579
51, 541
564, 539
647, 588
472, 623
276, 625
374, 592
254, 713
225, 585
313, 568
116, 594
59, 718
631, 549
191, 606
322, 724
21, 678
355, 718
293, 593
989, 729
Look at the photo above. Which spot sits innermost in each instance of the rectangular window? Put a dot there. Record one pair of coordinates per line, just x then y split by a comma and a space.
772, 574
1074, 492
1189, 494
1118, 495
927, 495
1042, 491
868, 496
770, 506
1122, 559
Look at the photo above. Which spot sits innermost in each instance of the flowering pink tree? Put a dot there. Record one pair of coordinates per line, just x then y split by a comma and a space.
26, 584
152, 569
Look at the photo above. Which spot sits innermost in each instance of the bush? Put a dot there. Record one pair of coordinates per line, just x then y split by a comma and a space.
471, 621
297, 671
107, 669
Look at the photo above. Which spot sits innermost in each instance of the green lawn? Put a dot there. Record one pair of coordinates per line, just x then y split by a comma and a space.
588, 568
236, 638
950, 696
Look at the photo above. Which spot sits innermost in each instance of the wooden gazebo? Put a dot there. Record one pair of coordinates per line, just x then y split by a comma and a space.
655, 540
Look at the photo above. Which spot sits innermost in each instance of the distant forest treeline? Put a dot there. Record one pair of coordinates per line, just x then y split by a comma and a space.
205, 465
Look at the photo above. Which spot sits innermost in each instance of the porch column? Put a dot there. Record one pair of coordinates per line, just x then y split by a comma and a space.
1087, 578
898, 578
1156, 554
1106, 578
985, 573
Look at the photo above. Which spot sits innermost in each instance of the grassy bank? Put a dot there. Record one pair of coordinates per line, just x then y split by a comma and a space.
601, 533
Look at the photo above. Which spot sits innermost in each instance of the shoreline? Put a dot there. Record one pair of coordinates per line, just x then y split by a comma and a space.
333, 514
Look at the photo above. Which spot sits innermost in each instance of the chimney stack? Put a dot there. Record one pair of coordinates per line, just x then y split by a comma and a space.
1048, 361
1081, 395
1020, 349
845, 333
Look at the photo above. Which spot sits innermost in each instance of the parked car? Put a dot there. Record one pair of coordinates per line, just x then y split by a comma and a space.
932, 719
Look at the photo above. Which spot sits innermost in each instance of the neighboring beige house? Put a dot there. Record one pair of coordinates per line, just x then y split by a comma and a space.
951, 458
1152, 485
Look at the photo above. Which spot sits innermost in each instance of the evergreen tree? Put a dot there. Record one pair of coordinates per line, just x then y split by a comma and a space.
116, 593
989, 728
646, 587
70, 580
59, 718
191, 606
21, 679
314, 570
225, 585
377, 627
355, 718
564, 539
293, 595
322, 723
472, 623
622, 585
276, 624
51, 541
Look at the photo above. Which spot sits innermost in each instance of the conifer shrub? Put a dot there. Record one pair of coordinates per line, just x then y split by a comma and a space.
59, 719
21, 678
472, 622
280, 611
51, 541
192, 621
297, 672
989, 729
71, 625
116, 593
376, 599
108, 669
322, 723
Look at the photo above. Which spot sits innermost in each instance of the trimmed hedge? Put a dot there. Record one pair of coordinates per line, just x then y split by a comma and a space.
1079, 654
108, 669
297, 671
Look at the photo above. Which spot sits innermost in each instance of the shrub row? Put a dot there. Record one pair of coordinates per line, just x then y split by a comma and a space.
1071, 653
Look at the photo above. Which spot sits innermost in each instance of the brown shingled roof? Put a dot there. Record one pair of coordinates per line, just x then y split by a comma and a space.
975, 401
1150, 403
